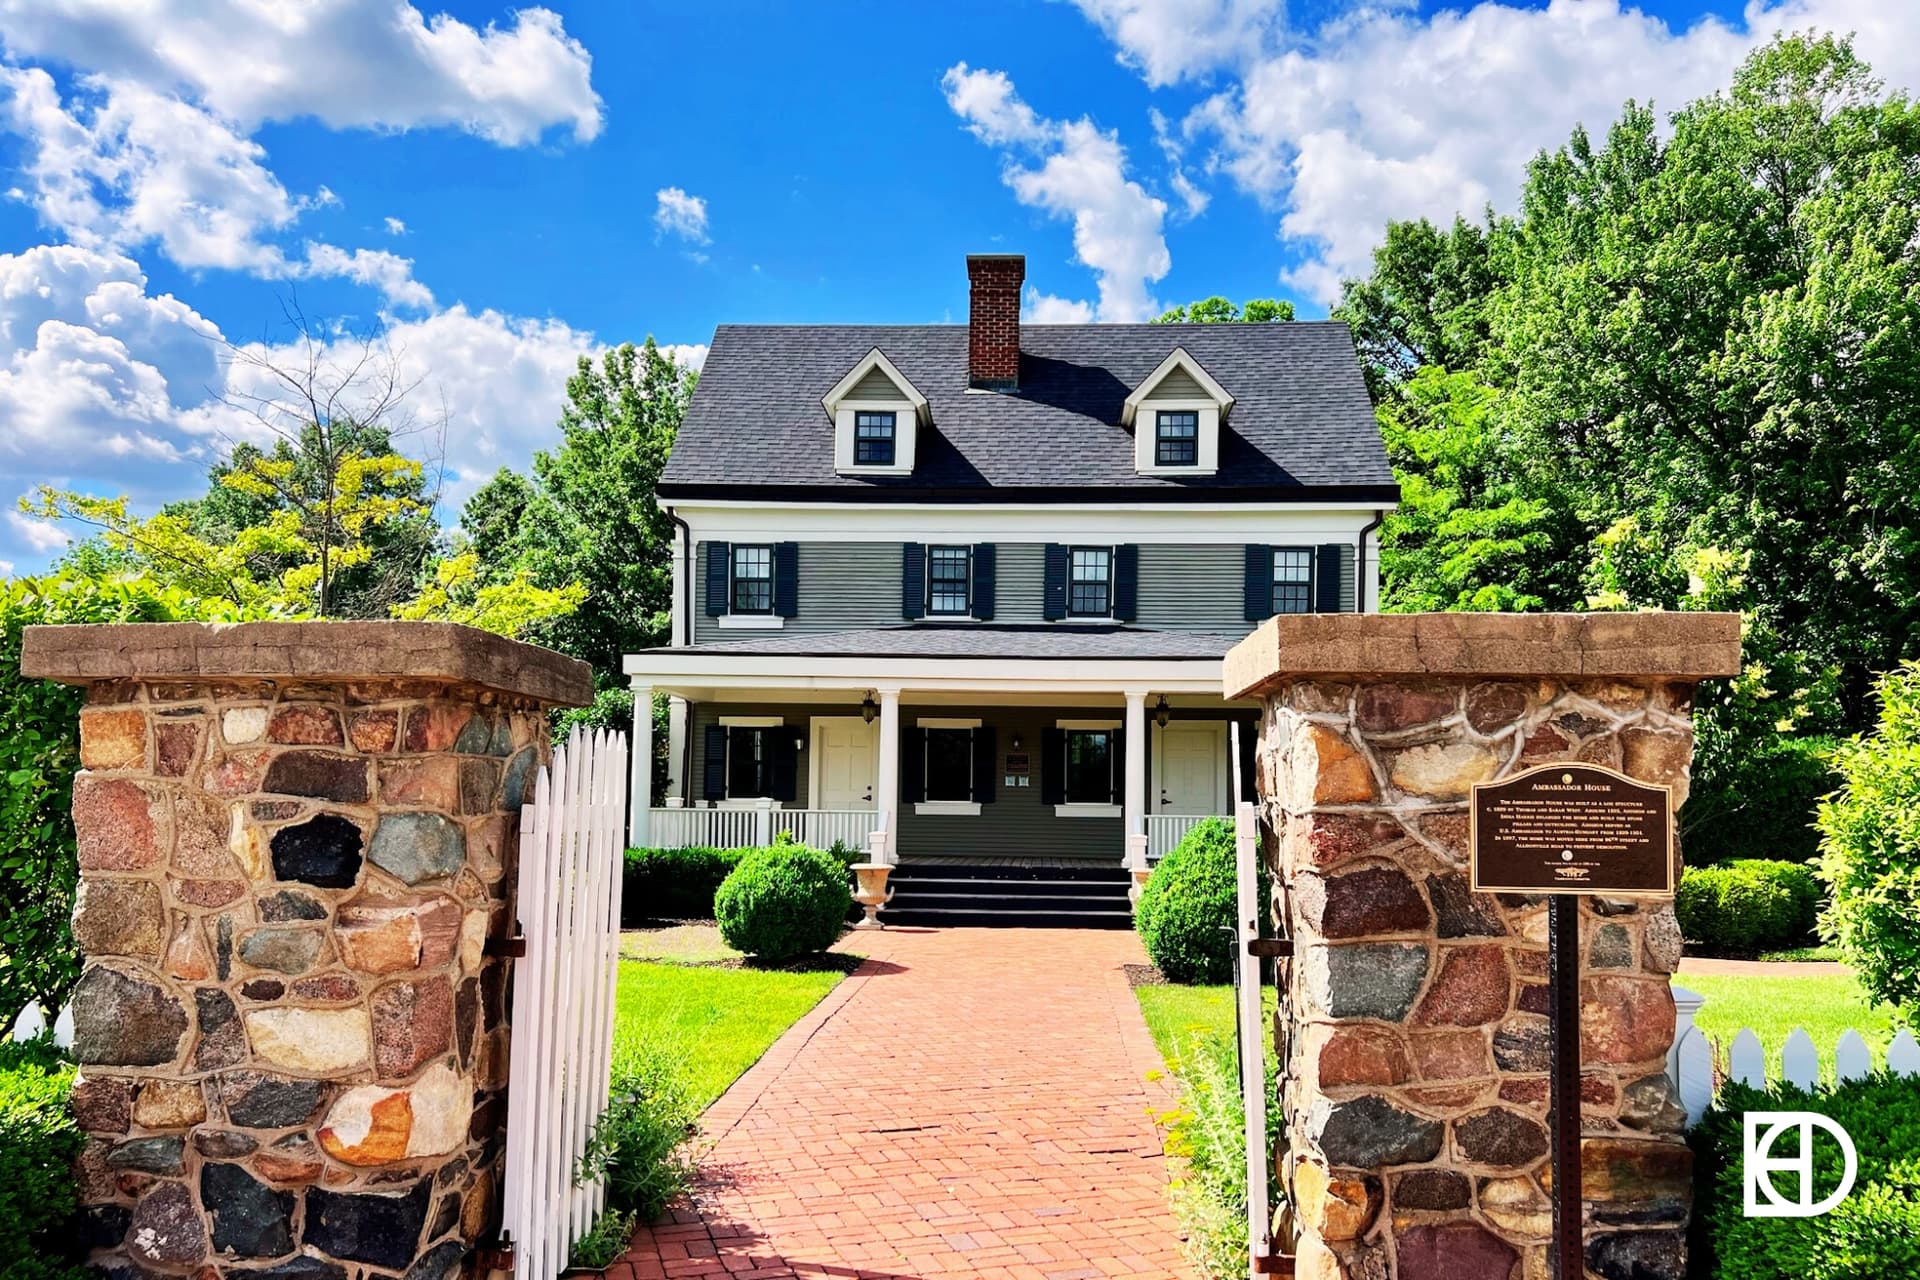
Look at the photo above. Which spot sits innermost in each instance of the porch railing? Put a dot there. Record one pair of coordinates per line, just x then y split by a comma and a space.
1165, 830
753, 827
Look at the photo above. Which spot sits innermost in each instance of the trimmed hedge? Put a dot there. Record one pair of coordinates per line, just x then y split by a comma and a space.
1873, 1235
1760, 801
679, 884
1749, 904
38, 1144
785, 901
1186, 911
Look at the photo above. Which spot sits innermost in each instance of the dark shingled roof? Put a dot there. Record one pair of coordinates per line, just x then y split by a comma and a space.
983, 640
1301, 427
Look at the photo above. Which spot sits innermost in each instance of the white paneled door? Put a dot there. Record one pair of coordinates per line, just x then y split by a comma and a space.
1192, 768
846, 751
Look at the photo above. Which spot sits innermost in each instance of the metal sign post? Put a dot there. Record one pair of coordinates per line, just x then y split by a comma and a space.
1568, 830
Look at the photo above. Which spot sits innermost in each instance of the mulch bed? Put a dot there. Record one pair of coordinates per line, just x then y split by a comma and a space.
1144, 975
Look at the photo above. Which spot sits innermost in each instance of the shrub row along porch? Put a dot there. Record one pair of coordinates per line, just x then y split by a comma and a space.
1094, 744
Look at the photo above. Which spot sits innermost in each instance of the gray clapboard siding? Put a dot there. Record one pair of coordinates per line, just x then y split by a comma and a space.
847, 586
876, 386
1178, 385
796, 716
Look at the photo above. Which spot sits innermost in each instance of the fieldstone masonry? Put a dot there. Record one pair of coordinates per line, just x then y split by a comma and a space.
1414, 1028
295, 841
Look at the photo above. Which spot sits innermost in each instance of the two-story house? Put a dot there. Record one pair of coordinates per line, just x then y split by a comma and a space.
962, 591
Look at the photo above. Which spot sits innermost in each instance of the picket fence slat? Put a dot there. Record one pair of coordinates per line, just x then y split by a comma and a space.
1799, 1060
1693, 1059
1903, 1055
1747, 1061
1852, 1060
571, 838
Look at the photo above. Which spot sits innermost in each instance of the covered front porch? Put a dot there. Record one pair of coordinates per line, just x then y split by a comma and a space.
1098, 760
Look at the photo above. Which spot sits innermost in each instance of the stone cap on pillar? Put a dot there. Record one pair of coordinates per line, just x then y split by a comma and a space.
1665, 646
321, 652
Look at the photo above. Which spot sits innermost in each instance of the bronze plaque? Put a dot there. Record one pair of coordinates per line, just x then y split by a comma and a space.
1572, 828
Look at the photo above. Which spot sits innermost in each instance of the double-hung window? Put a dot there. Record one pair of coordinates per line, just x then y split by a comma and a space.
949, 765
1090, 582
749, 756
1293, 580
1089, 771
872, 439
949, 581
753, 579
1176, 438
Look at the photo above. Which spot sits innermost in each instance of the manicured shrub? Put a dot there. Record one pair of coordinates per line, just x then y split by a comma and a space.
1870, 848
1748, 904
785, 901
642, 1146
1186, 912
38, 1144
673, 884
1876, 1231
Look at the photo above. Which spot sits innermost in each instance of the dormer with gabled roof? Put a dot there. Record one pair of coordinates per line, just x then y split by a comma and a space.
1175, 414
877, 413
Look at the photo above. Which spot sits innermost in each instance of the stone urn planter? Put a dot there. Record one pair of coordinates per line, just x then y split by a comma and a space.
872, 892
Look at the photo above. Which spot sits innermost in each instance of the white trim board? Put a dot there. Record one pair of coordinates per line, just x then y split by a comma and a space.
991, 522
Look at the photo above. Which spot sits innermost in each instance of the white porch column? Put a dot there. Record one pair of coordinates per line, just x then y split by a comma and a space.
640, 785
676, 752
1134, 808
887, 797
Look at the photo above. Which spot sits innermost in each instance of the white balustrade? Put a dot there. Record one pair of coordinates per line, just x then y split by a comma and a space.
1165, 830
749, 827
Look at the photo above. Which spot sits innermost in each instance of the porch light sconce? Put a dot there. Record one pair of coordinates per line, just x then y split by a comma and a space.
869, 708
1161, 712
1016, 740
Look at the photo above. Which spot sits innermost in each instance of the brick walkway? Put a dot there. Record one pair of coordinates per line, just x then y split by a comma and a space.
970, 1103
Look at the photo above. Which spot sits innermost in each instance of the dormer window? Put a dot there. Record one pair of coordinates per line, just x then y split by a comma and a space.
1176, 441
873, 438
876, 414
1176, 414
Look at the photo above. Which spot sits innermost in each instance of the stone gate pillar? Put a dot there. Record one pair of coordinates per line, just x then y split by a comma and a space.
1414, 1020
296, 841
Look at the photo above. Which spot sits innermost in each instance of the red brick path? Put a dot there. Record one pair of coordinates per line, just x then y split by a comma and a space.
970, 1103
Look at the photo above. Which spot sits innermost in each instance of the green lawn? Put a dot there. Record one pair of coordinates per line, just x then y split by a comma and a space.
721, 1020
1773, 1007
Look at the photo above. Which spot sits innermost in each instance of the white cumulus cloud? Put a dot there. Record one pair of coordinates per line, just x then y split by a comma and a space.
676, 213
395, 227
1074, 170
377, 64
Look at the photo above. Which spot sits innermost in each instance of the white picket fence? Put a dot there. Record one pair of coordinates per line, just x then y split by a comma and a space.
33, 1020
1692, 1066
571, 837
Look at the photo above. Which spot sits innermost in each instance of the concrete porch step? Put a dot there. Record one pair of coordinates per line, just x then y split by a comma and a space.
999, 917
1029, 893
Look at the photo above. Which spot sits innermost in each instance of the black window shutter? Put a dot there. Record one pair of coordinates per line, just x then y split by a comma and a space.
1126, 582
1056, 593
986, 764
786, 579
717, 577
1249, 737
913, 580
983, 581
714, 772
1259, 583
1053, 766
783, 763
913, 765
1119, 784
1326, 578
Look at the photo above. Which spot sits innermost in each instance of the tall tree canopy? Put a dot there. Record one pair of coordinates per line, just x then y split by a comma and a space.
1219, 310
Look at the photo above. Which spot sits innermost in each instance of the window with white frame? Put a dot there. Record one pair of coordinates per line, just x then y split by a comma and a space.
1176, 440
873, 438
949, 764
1089, 766
1090, 582
949, 579
753, 579
1293, 580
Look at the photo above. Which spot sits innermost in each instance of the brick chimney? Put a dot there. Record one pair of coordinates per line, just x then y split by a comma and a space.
993, 319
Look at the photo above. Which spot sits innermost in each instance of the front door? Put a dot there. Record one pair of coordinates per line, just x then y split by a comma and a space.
1190, 768
846, 750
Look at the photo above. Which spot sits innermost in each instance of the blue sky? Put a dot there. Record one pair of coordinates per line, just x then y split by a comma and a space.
498, 190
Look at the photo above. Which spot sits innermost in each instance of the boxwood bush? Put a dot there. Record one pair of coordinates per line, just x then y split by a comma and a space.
1748, 904
1186, 912
673, 884
38, 1143
784, 901
1873, 1235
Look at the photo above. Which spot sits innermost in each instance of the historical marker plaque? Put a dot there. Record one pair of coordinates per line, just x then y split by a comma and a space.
1572, 828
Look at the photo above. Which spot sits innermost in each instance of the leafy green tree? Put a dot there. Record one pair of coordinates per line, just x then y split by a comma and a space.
593, 519
1425, 302
1218, 310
